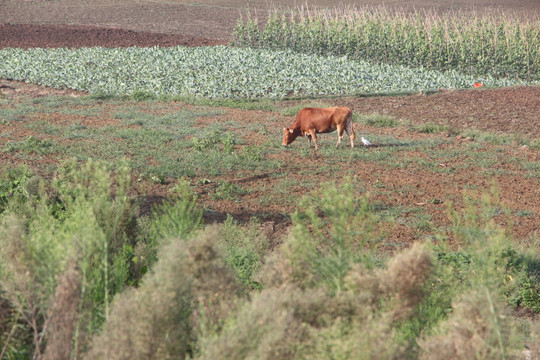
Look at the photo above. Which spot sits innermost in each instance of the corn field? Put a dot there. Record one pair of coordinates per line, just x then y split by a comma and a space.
496, 44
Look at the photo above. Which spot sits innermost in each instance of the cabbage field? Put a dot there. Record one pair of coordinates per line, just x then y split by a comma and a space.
221, 72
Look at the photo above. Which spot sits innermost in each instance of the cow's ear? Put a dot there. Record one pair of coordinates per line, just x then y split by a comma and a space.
291, 131
285, 129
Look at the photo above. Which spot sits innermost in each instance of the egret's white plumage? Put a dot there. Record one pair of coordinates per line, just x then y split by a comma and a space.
366, 141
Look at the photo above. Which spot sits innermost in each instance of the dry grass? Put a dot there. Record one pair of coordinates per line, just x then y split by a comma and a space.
63, 315
477, 329
189, 291
405, 277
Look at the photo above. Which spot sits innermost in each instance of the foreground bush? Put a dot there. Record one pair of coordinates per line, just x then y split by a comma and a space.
70, 277
189, 292
288, 322
67, 249
62, 252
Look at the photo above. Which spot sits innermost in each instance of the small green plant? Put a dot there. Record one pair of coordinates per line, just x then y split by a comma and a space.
13, 185
101, 95
529, 291
244, 247
156, 179
216, 137
177, 217
140, 95
228, 140
199, 144
252, 153
535, 144
228, 191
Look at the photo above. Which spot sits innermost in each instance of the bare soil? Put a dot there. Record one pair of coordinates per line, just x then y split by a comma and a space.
508, 111
55, 36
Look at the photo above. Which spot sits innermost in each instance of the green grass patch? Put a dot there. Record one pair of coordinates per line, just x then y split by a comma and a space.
30, 145
379, 120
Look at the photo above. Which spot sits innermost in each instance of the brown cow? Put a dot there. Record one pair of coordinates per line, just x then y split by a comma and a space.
310, 121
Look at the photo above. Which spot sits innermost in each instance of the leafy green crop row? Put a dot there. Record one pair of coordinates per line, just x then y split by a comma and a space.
498, 44
219, 72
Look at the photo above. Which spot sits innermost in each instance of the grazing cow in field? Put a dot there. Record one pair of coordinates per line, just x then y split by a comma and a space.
310, 121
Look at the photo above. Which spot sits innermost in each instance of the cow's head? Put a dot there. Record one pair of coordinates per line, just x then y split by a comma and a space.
288, 136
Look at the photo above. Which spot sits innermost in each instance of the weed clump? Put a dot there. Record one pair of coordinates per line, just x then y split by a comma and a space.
189, 292
63, 314
405, 278
477, 329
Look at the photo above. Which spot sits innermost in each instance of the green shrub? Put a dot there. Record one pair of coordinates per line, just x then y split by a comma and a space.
327, 292
177, 217
216, 137
522, 278
189, 293
82, 225
535, 144
252, 153
245, 247
288, 322
430, 128
16, 186
332, 230
488, 254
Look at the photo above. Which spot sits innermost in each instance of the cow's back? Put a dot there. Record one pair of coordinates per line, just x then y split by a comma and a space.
322, 119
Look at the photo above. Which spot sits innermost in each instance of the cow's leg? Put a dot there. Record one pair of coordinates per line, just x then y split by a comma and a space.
350, 131
340, 134
314, 137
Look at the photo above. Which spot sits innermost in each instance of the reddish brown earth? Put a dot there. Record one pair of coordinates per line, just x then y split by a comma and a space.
509, 111
412, 186
47, 36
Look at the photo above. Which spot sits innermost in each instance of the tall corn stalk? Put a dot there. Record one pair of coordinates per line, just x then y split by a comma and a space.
495, 43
